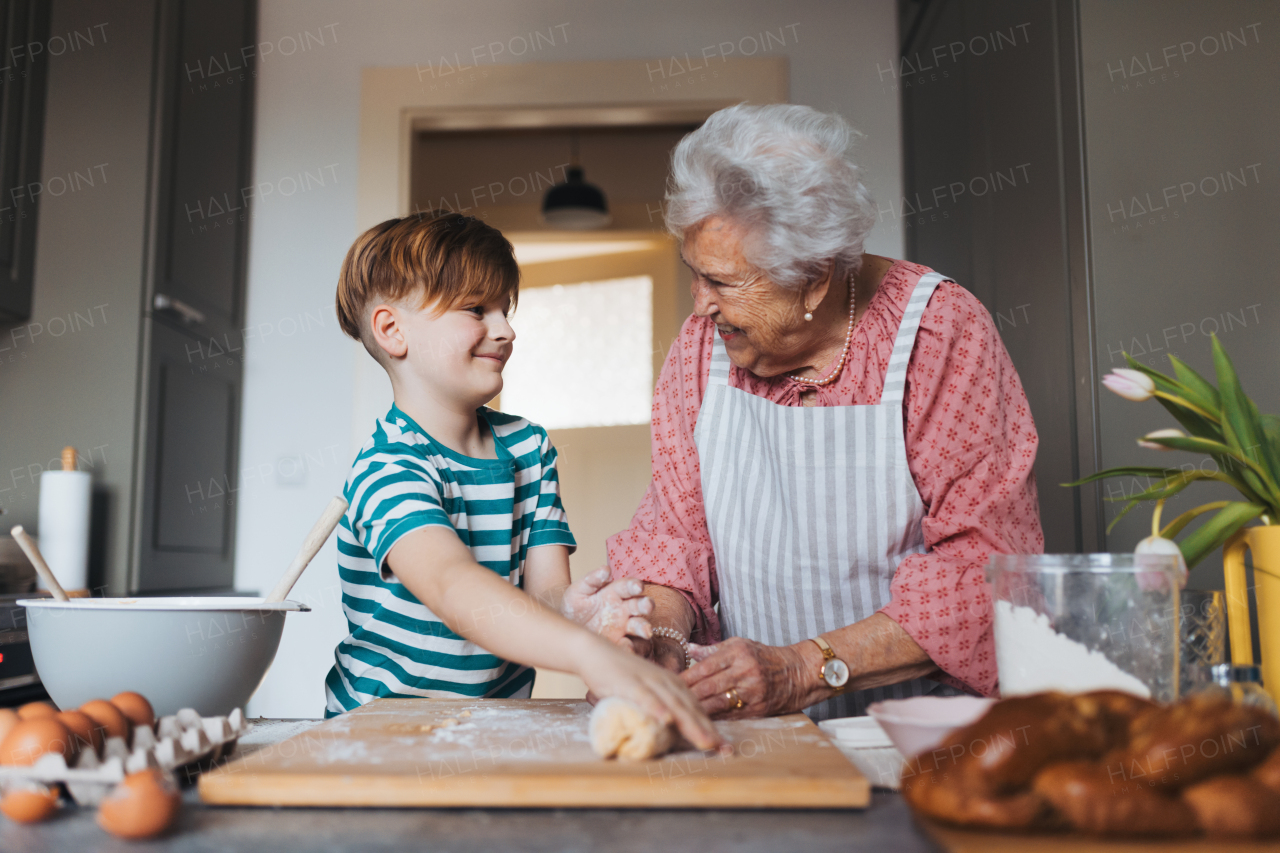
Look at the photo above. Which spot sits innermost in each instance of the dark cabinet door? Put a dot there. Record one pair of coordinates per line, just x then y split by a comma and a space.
200, 227
188, 512
23, 24
204, 184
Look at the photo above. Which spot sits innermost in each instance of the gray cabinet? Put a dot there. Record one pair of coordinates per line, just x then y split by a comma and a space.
23, 23
200, 227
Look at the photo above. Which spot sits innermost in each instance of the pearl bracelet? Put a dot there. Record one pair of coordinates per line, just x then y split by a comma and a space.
673, 634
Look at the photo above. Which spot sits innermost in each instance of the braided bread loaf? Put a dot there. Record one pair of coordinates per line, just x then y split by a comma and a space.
1106, 763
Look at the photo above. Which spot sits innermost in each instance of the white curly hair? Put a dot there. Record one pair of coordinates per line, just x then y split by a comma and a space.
783, 172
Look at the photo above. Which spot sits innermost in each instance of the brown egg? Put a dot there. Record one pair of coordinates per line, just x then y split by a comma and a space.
37, 711
141, 806
8, 719
108, 716
136, 707
30, 739
29, 805
86, 731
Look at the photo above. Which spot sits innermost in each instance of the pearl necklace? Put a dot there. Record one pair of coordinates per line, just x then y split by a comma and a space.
848, 340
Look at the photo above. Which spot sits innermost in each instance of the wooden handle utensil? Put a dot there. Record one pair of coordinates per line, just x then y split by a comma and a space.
28, 546
310, 546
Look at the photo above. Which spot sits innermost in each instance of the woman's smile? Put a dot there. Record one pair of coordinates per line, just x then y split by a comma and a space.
727, 332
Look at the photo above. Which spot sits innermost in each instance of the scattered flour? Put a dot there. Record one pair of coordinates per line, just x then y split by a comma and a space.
1032, 657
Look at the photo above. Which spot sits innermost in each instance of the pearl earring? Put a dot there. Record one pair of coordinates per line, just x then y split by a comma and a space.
808, 315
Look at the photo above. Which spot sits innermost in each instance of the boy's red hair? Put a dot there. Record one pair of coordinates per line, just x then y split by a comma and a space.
449, 257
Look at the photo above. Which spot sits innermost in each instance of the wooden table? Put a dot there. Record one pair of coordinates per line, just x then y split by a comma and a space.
886, 826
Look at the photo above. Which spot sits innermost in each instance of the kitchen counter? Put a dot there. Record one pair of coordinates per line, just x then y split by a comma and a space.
886, 825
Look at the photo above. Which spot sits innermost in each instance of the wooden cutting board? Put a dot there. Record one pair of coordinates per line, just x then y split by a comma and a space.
530, 753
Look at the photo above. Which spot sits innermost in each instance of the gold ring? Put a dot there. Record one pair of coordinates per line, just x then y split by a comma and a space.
732, 695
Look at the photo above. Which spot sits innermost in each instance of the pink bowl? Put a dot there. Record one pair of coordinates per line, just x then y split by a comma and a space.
922, 722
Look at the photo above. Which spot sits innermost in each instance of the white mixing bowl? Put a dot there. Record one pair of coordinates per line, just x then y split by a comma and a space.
206, 653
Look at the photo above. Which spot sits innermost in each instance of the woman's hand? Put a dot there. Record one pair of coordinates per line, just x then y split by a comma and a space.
769, 679
611, 671
613, 610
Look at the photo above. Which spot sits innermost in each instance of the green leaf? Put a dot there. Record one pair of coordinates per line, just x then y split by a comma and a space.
1250, 472
1210, 535
1128, 471
1238, 412
1170, 486
1175, 527
1270, 438
1271, 429
1204, 395
1191, 421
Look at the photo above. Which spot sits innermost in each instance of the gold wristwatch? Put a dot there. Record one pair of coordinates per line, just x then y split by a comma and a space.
834, 672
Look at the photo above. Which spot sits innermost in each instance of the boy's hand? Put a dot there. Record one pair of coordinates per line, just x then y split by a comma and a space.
610, 671
613, 610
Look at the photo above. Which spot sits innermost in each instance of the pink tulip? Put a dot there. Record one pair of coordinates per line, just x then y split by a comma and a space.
1162, 547
1146, 442
1131, 384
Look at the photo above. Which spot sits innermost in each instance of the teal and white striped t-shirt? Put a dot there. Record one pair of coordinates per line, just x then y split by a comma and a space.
403, 480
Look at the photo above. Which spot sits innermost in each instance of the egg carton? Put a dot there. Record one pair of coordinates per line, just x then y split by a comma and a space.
182, 743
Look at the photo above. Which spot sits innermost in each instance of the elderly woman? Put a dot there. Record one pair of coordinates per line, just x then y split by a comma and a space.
839, 442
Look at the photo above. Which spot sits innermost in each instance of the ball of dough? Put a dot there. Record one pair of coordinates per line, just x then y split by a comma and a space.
619, 728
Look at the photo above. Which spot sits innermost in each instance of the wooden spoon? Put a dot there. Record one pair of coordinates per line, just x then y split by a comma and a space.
310, 546
28, 546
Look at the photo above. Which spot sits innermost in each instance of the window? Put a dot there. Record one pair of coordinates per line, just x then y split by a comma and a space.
583, 354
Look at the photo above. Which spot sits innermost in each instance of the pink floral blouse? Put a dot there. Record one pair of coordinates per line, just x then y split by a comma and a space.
970, 447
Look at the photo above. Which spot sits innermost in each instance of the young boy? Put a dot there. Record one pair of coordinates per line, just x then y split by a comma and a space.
454, 552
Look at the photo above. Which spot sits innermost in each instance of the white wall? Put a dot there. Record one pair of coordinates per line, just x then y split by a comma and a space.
299, 370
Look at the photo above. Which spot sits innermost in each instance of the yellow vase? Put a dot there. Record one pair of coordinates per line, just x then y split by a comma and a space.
1264, 542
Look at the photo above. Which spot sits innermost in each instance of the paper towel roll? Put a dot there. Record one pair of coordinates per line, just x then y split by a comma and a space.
64, 526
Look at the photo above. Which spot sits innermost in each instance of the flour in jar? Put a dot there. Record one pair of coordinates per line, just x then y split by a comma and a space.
1032, 657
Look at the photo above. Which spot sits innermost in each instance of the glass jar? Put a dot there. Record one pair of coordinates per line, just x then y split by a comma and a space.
1081, 622
1240, 684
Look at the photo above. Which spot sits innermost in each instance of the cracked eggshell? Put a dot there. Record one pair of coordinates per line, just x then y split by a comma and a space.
142, 806
29, 804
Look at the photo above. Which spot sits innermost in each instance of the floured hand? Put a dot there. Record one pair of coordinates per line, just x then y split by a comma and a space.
614, 610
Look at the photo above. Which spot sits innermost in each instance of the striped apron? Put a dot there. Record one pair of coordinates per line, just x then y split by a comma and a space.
811, 509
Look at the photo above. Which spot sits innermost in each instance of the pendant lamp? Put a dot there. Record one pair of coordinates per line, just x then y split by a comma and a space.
575, 204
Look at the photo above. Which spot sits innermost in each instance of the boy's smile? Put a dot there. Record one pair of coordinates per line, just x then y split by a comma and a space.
455, 356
